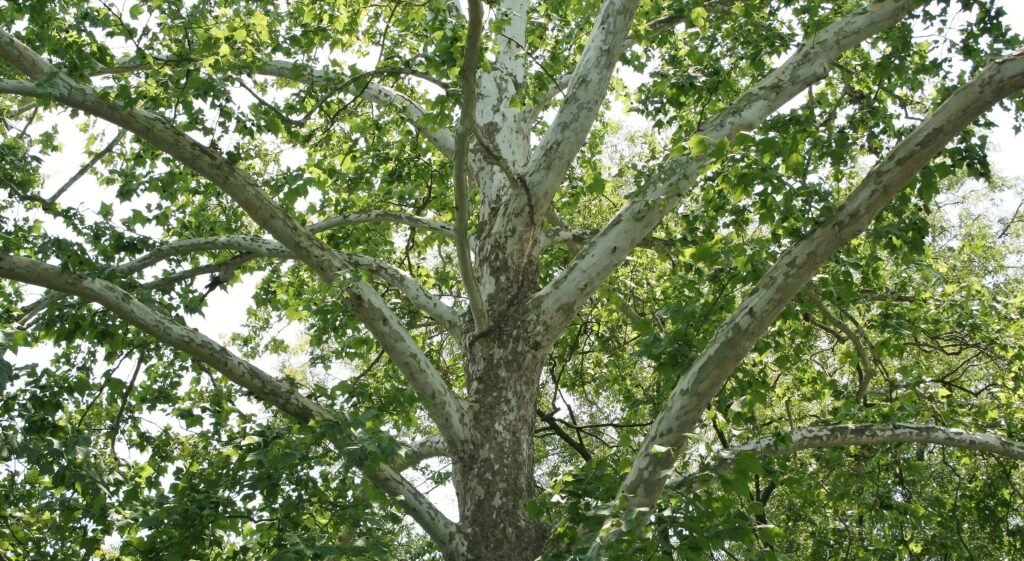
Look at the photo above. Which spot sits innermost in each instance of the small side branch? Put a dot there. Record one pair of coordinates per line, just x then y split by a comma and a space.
115, 427
442, 139
859, 345
553, 424
415, 115
88, 166
558, 87
410, 220
467, 124
250, 246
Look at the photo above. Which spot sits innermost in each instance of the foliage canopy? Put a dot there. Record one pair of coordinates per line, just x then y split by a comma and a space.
684, 280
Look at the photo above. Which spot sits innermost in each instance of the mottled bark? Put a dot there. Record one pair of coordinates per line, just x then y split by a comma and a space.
494, 472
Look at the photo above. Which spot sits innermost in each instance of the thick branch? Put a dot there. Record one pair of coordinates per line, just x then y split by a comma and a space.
855, 435
574, 238
444, 407
586, 93
563, 297
467, 124
423, 449
511, 58
443, 531
200, 347
796, 266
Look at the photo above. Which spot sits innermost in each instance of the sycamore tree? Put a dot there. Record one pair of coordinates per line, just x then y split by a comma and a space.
637, 280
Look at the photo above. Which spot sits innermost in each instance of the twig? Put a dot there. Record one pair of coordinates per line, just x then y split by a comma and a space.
88, 166
859, 346
115, 428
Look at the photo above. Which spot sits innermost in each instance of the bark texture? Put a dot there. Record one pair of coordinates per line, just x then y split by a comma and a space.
494, 471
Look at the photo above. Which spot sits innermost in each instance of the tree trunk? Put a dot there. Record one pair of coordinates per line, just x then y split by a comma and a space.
494, 472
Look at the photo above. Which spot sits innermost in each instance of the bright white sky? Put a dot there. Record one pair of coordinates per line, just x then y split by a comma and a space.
1007, 150
227, 309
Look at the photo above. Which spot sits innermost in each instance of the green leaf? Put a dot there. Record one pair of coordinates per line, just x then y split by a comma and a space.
698, 144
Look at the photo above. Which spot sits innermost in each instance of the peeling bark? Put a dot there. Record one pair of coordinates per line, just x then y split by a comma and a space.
560, 299
494, 474
444, 407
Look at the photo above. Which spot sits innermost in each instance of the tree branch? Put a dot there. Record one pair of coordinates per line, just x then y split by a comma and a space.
795, 267
443, 531
836, 436
441, 138
225, 270
423, 449
587, 89
263, 386
440, 312
552, 422
558, 87
467, 124
88, 166
559, 235
859, 346
374, 93
444, 407
252, 247
410, 220
566, 294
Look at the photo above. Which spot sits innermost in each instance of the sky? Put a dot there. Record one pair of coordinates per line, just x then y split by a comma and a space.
226, 311
1007, 149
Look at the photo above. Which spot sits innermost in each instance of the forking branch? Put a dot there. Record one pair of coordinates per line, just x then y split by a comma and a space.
262, 385
569, 291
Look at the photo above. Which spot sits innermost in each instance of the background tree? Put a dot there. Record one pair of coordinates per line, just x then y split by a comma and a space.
749, 328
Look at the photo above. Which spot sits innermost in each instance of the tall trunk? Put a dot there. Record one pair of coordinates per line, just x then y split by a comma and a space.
494, 473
